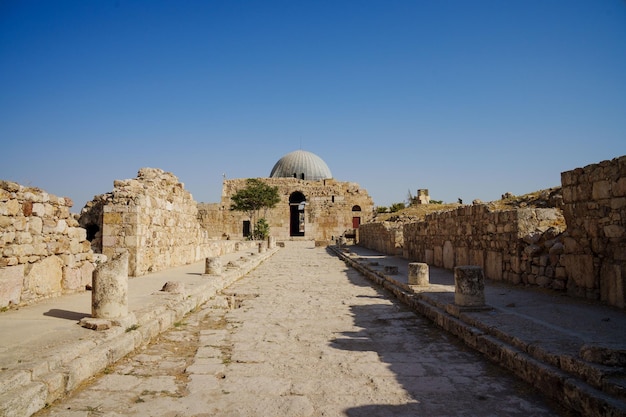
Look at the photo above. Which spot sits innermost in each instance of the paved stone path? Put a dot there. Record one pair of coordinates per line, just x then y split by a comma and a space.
303, 335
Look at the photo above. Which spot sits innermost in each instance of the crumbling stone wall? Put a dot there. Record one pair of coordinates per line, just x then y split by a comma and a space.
384, 237
594, 200
43, 250
155, 219
511, 245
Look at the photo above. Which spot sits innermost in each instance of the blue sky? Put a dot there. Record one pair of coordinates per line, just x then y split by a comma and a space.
470, 99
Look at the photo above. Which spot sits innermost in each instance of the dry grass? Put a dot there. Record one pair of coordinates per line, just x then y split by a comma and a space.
550, 197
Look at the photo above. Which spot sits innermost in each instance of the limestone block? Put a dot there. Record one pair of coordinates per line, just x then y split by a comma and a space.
12, 207
11, 281
493, 265
77, 233
35, 225
72, 278
419, 274
469, 286
579, 268
619, 187
448, 255
601, 189
39, 209
109, 296
612, 285
614, 231
44, 277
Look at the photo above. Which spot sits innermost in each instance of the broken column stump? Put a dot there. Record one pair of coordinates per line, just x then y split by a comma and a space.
271, 242
109, 296
212, 266
418, 274
469, 286
262, 247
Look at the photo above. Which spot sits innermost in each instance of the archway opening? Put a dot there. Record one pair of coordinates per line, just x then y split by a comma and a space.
356, 217
297, 202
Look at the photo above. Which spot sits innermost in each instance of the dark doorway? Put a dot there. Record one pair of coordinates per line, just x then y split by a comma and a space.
297, 202
246, 228
92, 230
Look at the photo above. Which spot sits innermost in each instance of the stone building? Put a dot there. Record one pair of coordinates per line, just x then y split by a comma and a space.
313, 205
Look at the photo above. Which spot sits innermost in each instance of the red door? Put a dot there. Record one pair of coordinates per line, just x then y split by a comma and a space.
356, 222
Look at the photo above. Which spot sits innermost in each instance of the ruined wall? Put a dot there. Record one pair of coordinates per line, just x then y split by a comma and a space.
512, 245
155, 219
328, 212
384, 237
43, 250
594, 200
211, 218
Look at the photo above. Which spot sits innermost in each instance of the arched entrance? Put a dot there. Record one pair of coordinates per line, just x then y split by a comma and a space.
356, 217
297, 202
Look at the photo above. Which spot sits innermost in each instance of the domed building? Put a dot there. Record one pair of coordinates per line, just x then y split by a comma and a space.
303, 165
313, 205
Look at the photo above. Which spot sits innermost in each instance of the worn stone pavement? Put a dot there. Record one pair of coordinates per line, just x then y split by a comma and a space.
304, 335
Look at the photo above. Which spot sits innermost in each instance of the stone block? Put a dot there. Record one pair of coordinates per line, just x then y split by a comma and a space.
579, 269
391, 270
619, 187
44, 278
11, 282
419, 274
469, 286
601, 190
72, 279
448, 255
612, 288
493, 265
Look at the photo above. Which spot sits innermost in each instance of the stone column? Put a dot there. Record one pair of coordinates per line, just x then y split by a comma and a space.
212, 266
271, 242
261, 247
419, 274
469, 286
109, 295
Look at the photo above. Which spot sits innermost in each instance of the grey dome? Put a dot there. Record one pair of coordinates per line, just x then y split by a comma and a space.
301, 164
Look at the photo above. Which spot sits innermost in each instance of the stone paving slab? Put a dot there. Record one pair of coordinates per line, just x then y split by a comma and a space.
541, 336
44, 353
573, 348
308, 337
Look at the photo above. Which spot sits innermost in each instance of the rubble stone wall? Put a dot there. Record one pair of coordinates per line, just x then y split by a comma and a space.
384, 237
518, 246
156, 220
44, 252
594, 199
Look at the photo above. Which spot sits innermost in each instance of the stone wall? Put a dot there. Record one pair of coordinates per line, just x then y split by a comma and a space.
511, 245
594, 200
43, 250
582, 250
384, 237
155, 219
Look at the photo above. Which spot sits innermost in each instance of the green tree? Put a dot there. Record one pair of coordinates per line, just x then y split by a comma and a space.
397, 207
261, 230
256, 196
